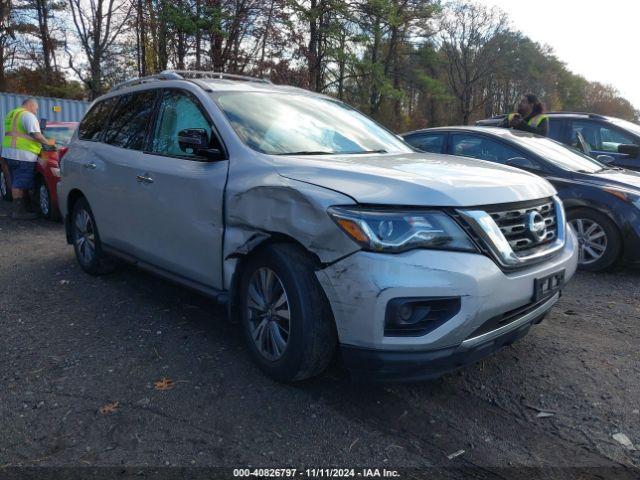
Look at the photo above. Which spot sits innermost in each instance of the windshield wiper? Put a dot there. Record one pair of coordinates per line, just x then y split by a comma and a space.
363, 151
322, 152
308, 152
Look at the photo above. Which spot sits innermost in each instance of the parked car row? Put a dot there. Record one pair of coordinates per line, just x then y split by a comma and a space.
602, 202
608, 139
325, 233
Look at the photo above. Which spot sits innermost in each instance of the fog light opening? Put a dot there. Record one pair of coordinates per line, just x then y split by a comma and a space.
418, 316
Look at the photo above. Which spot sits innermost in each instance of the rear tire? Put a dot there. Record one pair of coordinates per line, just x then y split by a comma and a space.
285, 315
599, 240
86, 241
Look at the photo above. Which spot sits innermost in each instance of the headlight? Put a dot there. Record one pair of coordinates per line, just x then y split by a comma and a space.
398, 231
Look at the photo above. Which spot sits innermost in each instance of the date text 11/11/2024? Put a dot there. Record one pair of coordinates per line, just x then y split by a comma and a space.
316, 472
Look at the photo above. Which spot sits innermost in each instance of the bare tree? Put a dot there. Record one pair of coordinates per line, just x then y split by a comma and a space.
98, 26
470, 41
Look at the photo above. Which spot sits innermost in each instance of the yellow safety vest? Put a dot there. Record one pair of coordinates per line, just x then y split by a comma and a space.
15, 136
533, 121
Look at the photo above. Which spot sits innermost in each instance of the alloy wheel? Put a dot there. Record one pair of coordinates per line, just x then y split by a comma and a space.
592, 240
3, 185
269, 313
43, 195
85, 239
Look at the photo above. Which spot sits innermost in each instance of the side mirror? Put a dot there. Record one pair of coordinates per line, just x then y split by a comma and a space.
605, 158
196, 140
629, 149
43, 124
523, 163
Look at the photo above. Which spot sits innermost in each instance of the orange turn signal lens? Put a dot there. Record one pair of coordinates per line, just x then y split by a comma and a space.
617, 193
353, 229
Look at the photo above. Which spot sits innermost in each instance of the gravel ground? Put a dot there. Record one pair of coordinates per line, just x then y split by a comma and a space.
71, 344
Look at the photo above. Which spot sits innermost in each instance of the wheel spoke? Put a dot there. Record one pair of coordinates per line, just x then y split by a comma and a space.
278, 342
597, 246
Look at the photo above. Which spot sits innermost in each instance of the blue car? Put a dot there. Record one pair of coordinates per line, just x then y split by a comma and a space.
602, 202
608, 139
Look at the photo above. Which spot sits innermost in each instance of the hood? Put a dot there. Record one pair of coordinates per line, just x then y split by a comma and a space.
415, 179
627, 179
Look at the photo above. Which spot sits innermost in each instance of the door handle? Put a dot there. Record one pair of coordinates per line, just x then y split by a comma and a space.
90, 165
143, 179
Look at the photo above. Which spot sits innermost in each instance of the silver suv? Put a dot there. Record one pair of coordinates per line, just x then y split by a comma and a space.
320, 229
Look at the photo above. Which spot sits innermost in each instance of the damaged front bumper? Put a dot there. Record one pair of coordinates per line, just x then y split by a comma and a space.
360, 286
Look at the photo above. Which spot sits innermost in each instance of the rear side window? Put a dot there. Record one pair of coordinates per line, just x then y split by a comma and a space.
94, 121
427, 142
130, 120
482, 148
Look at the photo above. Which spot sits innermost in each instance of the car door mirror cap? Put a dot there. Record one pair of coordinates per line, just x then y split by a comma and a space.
196, 139
629, 149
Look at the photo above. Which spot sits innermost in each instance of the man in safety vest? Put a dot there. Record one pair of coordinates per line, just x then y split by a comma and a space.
530, 116
21, 146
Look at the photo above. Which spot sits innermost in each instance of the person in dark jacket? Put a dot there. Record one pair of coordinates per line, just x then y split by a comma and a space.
530, 116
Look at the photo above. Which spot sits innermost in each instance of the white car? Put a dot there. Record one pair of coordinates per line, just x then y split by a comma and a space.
322, 230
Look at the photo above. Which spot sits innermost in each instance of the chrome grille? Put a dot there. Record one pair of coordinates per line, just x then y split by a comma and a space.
513, 225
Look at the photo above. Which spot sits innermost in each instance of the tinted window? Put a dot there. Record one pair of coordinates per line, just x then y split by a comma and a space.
93, 122
599, 135
555, 128
482, 148
179, 110
427, 142
130, 120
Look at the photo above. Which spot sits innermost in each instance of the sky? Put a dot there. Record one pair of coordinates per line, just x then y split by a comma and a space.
596, 39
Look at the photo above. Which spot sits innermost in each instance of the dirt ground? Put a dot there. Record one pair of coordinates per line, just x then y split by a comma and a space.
71, 344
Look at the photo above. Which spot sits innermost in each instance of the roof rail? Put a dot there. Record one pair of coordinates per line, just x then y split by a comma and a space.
187, 75
166, 75
590, 115
204, 75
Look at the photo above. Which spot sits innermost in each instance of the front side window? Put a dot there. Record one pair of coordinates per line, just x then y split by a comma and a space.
179, 112
599, 136
285, 124
482, 148
93, 123
427, 142
130, 120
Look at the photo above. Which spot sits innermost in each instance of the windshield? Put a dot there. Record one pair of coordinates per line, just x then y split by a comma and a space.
560, 155
62, 135
282, 124
629, 126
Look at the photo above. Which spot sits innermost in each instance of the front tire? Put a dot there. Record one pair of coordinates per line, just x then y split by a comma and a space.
599, 240
86, 240
5, 189
285, 315
43, 201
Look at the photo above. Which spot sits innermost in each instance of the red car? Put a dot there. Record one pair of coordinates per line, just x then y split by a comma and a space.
47, 170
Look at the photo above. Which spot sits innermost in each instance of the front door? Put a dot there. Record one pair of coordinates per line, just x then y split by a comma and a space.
605, 139
181, 194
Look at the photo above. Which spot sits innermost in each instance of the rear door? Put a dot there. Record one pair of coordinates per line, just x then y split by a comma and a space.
118, 159
180, 194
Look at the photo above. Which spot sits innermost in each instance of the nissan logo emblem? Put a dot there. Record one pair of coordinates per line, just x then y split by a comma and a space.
536, 225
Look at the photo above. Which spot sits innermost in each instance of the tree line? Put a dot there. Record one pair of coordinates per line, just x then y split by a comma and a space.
408, 63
